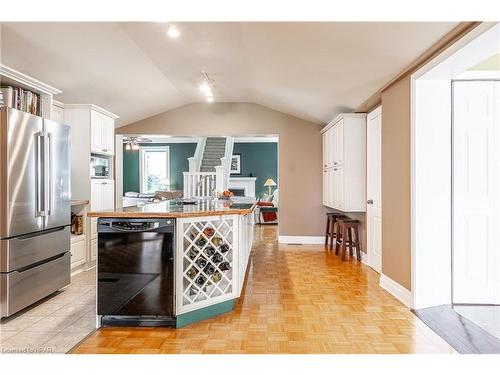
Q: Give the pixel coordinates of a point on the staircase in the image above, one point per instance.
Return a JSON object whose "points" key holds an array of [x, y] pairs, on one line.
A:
{"points": [[209, 168], [215, 149]]}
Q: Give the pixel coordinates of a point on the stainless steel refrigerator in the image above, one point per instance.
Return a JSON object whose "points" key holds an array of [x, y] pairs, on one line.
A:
{"points": [[35, 211]]}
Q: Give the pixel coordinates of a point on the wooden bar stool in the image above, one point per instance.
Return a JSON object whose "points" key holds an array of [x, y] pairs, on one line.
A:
{"points": [[332, 227], [348, 238]]}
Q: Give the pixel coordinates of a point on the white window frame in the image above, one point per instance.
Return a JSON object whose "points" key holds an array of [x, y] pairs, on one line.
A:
{"points": [[142, 159]]}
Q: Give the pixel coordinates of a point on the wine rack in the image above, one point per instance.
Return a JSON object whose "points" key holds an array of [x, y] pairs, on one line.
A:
{"points": [[207, 252]]}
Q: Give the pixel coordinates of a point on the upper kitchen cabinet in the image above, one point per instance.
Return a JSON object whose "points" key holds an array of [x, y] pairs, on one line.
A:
{"points": [[344, 163], [102, 128]]}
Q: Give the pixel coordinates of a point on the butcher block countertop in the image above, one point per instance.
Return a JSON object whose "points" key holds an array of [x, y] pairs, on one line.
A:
{"points": [[175, 209]]}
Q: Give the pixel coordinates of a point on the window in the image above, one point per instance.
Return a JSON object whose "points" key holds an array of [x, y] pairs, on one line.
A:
{"points": [[154, 168]]}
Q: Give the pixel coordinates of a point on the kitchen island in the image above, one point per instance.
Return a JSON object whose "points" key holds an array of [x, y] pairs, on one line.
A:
{"points": [[211, 245]]}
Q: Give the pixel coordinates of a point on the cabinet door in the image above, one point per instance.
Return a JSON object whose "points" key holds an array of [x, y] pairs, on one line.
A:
{"points": [[108, 195], [325, 149], [95, 195], [78, 250], [102, 194], [108, 135], [339, 143], [95, 131], [339, 188], [57, 114], [93, 249]]}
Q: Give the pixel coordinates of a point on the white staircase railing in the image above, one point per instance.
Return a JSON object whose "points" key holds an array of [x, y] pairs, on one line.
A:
{"points": [[195, 160], [205, 184], [199, 184]]}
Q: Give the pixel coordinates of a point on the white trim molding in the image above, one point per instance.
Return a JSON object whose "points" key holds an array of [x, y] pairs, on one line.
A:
{"points": [[302, 240], [397, 290]]}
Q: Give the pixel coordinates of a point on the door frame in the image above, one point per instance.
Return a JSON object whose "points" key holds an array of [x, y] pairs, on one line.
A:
{"points": [[430, 117], [369, 252]]}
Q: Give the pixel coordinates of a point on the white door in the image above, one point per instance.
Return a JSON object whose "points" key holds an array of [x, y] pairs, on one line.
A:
{"points": [[374, 189], [476, 192]]}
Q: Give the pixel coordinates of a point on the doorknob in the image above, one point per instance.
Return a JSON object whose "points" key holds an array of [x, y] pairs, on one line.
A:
{"points": [[369, 201]]}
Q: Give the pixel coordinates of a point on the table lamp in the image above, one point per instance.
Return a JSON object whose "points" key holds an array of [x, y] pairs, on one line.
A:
{"points": [[269, 183]]}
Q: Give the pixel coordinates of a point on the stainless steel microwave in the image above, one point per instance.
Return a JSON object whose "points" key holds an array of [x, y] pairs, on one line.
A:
{"points": [[100, 166]]}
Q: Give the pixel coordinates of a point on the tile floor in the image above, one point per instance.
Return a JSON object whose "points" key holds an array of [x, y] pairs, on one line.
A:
{"points": [[487, 317], [55, 324]]}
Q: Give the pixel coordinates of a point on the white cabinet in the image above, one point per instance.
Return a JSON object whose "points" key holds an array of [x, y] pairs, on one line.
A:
{"points": [[102, 194], [78, 251], [102, 132], [57, 113], [344, 163], [93, 249]]}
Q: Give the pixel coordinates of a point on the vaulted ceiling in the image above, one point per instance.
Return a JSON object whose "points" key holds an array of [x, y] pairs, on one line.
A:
{"points": [[310, 70]]}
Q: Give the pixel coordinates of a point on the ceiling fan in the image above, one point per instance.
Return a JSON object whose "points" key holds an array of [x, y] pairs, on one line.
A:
{"points": [[132, 143]]}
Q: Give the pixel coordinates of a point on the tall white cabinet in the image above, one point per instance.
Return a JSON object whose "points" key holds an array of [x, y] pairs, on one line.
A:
{"points": [[344, 163], [92, 132]]}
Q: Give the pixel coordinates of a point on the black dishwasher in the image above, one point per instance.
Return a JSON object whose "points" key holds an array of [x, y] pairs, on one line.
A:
{"points": [[135, 272]]}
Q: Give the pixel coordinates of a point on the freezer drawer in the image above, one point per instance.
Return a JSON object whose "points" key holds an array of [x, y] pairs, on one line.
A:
{"points": [[20, 289], [19, 252]]}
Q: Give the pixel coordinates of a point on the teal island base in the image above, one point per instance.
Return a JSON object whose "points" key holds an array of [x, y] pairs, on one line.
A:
{"points": [[205, 313]]}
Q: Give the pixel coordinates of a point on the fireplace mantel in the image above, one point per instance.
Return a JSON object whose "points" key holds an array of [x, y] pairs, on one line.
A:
{"points": [[246, 183]]}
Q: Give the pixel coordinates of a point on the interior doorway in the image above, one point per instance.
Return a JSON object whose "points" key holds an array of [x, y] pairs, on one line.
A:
{"points": [[456, 185]]}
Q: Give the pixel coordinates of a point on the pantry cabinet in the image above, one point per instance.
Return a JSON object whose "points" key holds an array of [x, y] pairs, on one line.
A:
{"points": [[344, 163]]}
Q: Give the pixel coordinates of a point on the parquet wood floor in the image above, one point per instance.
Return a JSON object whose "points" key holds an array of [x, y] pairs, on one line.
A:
{"points": [[297, 299]]}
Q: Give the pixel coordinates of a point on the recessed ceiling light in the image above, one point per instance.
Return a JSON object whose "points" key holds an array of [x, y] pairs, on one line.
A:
{"points": [[173, 32], [210, 99]]}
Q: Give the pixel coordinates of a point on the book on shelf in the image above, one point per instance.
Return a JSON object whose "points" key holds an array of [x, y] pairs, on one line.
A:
{"points": [[23, 100]]}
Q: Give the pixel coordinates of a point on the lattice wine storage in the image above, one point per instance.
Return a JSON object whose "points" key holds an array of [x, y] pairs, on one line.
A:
{"points": [[206, 261]]}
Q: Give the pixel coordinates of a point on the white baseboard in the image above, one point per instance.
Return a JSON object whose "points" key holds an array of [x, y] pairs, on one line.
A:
{"points": [[397, 290], [302, 240]]}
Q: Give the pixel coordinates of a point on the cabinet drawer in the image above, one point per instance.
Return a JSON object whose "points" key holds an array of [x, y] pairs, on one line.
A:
{"points": [[78, 251]]}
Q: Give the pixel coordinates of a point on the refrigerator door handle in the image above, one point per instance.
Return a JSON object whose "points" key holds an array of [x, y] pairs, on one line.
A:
{"points": [[49, 183], [40, 175]]}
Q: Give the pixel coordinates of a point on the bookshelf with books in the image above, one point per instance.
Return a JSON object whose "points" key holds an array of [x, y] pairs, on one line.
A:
{"points": [[25, 93]]}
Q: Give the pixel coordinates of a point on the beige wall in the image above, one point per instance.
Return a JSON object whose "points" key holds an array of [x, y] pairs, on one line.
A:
{"points": [[396, 162], [300, 152], [396, 180]]}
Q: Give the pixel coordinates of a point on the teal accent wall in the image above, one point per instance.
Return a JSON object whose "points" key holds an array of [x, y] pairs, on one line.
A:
{"points": [[259, 159], [179, 154], [204, 313]]}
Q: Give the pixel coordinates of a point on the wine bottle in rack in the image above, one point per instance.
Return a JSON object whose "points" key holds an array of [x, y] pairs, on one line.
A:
{"points": [[209, 232], [192, 272], [200, 242], [224, 266], [201, 262], [210, 250], [217, 241], [224, 248], [193, 253], [200, 280], [209, 269], [217, 258], [216, 277], [192, 234]]}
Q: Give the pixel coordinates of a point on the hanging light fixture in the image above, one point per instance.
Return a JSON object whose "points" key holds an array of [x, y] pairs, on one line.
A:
{"points": [[206, 87], [132, 143]]}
